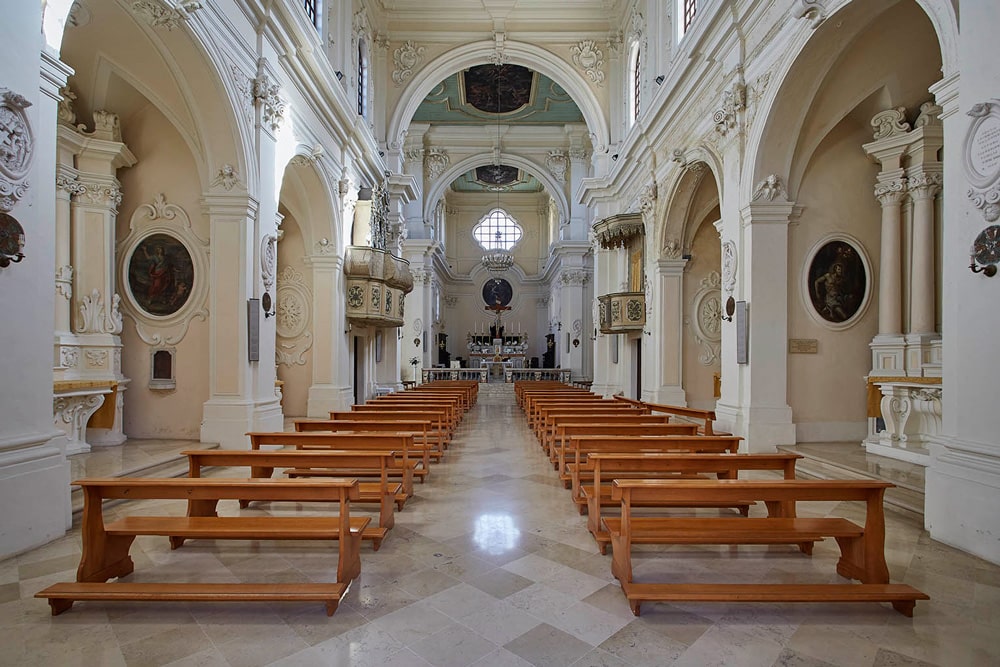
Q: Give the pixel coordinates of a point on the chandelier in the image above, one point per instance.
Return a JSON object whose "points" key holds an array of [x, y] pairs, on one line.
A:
{"points": [[497, 259]]}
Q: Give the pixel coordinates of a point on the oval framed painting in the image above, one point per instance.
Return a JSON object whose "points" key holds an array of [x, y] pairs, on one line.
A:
{"points": [[160, 274], [836, 283]]}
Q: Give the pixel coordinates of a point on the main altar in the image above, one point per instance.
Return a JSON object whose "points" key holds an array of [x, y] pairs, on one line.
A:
{"points": [[496, 350]]}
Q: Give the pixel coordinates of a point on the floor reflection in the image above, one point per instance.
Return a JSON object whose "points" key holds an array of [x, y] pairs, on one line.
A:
{"points": [[495, 533]]}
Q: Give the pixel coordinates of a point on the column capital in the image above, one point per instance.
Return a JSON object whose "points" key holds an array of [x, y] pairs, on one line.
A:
{"points": [[891, 191], [234, 205], [322, 262], [925, 185], [769, 212], [670, 267]]}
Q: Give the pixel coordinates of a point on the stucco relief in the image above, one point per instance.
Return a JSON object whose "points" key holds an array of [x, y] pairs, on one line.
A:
{"points": [[265, 94], [227, 177], [726, 116], [706, 323], [96, 358], [729, 266], [436, 160], [95, 318], [981, 158], [17, 146], [162, 15], [588, 57], [769, 189], [64, 281], [268, 260], [889, 123], [149, 221], [294, 314], [813, 11], [558, 162], [574, 277], [405, 59]]}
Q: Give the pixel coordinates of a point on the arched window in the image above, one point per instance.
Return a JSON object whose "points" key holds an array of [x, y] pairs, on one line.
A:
{"points": [[686, 10], [362, 78], [634, 82], [497, 231]]}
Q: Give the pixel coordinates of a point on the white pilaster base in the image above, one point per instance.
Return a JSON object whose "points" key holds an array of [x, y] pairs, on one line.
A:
{"points": [[34, 490], [888, 354], [227, 422], [920, 355], [962, 502], [70, 412], [326, 398], [666, 396], [605, 389], [762, 428]]}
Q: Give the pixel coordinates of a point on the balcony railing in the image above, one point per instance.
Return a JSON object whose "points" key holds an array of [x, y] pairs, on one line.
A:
{"points": [[377, 283], [622, 312]]}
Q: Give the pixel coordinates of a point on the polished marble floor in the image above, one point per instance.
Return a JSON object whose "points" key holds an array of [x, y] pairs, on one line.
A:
{"points": [[490, 565]]}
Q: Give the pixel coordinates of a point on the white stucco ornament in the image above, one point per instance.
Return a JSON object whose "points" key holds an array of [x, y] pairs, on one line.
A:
{"points": [[981, 158], [17, 147], [588, 57]]}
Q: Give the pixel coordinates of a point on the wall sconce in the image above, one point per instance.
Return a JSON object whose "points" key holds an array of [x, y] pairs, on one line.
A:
{"points": [[267, 305], [648, 333], [399, 334], [350, 328], [659, 80], [11, 240], [985, 252], [339, 75], [614, 158], [730, 309]]}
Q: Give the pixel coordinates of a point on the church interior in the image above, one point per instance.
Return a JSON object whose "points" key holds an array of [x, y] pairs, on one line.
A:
{"points": [[233, 217]]}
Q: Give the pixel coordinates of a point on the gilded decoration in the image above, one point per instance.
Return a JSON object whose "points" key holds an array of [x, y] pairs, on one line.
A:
{"points": [[619, 230]]}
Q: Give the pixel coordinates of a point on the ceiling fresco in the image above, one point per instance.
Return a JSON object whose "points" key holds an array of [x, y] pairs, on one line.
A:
{"points": [[470, 98], [497, 178]]}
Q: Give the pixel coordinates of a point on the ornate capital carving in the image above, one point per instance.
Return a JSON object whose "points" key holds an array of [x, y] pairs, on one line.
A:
{"points": [[227, 177], [436, 160], [769, 189], [405, 59], [306, 159], [930, 114], [890, 192], [889, 123], [557, 162], [925, 185], [162, 15], [574, 277], [66, 113], [64, 281], [588, 57], [734, 100], [265, 94], [812, 10]]}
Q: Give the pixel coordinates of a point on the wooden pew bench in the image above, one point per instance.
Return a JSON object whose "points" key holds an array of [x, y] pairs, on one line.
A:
{"points": [[384, 492], [449, 408], [439, 430], [592, 481], [704, 417], [408, 465], [628, 424], [548, 414], [581, 446], [862, 548], [106, 546], [420, 429]]}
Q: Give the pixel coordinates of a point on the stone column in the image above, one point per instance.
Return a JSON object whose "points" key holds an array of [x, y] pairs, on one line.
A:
{"points": [[668, 309], [331, 388]]}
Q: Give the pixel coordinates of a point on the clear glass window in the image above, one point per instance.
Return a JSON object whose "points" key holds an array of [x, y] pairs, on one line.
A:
{"points": [[497, 231]]}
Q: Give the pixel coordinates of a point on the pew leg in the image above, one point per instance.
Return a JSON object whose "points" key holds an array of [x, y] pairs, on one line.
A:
{"points": [[852, 558], [105, 557], [806, 548], [621, 559], [386, 517], [331, 606], [59, 605], [176, 542], [634, 604], [349, 557], [904, 607]]}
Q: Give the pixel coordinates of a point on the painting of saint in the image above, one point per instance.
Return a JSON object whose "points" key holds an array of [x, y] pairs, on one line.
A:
{"points": [[160, 274], [837, 281]]}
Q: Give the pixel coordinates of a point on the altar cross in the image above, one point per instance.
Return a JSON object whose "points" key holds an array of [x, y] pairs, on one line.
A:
{"points": [[497, 308]]}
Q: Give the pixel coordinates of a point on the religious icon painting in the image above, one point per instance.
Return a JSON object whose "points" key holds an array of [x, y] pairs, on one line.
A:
{"points": [[497, 291], [160, 274], [837, 283]]}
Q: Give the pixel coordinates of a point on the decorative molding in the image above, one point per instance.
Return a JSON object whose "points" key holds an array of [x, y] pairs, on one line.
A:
{"points": [[889, 123], [450, 301], [588, 57], [95, 319], [574, 277], [436, 160], [891, 191], [162, 15], [412, 155], [293, 317], [66, 113], [813, 11], [107, 126], [307, 159], [672, 248], [925, 185], [100, 193], [324, 247], [730, 262], [69, 182], [69, 357], [755, 93], [647, 199], [268, 260], [558, 162], [618, 230], [64, 281], [981, 158], [17, 148], [769, 189], [227, 177], [707, 322], [405, 59], [265, 95], [930, 115], [161, 217], [244, 86], [726, 116], [542, 302], [96, 358]]}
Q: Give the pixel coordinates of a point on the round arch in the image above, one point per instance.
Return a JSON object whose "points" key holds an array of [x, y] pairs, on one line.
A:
{"points": [[517, 53], [306, 172], [699, 163], [776, 134], [552, 187]]}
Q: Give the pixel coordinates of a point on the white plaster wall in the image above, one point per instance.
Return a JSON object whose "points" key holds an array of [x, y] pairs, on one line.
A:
{"points": [[464, 254], [298, 377], [706, 256]]}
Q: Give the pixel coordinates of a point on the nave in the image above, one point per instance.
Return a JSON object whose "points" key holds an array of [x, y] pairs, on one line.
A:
{"points": [[490, 564]]}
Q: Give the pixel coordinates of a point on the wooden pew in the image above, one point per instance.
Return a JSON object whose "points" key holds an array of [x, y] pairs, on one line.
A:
{"points": [[399, 402], [546, 414], [438, 417], [420, 429], [561, 428], [581, 446], [592, 491], [383, 492], [106, 546], [862, 549], [706, 417], [409, 466]]}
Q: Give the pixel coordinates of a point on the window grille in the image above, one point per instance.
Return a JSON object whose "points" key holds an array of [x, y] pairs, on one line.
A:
{"points": [[312, 11], [362, 79], [635, 84], [690, 9], [497, 231]]}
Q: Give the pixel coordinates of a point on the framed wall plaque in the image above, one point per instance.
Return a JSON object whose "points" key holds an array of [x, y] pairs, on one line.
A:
{"points": [[253, 330]]}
